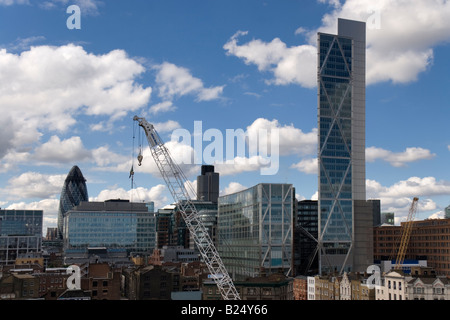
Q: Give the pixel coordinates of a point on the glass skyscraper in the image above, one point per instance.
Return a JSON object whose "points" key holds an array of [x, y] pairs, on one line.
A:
{"points": [[255, 230], [20, 233], [73, 192], [341, 145]]}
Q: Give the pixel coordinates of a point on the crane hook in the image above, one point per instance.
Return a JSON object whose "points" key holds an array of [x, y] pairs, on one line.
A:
{"points": [[140, 157]]}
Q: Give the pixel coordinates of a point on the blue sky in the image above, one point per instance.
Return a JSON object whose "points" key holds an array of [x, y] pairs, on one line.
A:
{"points": [[68, 96]]}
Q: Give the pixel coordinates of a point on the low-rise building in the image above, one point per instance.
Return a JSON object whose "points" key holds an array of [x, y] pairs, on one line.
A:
{"points": [[428, 288], [300, 288], [270, 287]]}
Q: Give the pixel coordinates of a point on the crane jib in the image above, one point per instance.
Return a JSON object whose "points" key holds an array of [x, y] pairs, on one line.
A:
{"points": [[176, 181]]}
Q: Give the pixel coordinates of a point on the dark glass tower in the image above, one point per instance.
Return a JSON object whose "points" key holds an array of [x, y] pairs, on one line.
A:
{"points": [[73, 192], [208, 184]]}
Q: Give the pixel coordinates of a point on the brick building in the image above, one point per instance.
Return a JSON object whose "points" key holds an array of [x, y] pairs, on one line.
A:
{"points": [[430, 240]]}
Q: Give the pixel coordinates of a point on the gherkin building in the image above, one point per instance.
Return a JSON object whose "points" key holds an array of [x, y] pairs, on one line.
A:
{"points": [[73, 192]]}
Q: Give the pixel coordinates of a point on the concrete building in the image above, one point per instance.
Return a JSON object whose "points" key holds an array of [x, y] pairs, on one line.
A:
{"points": [[256, 228], [341, 149], [428, 288], [393, 286], [311, 287]]}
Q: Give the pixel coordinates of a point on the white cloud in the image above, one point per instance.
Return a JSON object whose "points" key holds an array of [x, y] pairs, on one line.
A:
{"points": [[181, 153], [232, 187], [240, 164], [287, 64], [86, 6], [64, 151], [437, 215], [174, 81], [7, 136], [400, 41], [400, 38], [398, 159], [140, 194], [44, 87], [164, 106], [103, 157], [309, 166], [167, 126], [416, 186], [397, 197], [34, 185], [12, 2], [291, 140]]}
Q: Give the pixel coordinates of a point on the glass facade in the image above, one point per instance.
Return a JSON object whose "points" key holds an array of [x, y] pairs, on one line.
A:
{"points": [[306, 235], [207, 213], [73, 192], [255, 229], [130, 229], [20, 233], [341, 100], [21, 222], [335, 143]]}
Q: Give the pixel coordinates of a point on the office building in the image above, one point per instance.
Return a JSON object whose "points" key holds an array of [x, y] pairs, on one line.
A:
{"points": [[20, 234], [429, 240], [112, 230], [256, 228], [341, 146], [73, 192], [164, 223], [206, 212], [387, 218], [306, 234], [208, 184], [447, 212]]}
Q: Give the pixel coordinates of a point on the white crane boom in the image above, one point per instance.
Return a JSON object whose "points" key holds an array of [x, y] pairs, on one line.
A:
{"points": [[176, 182]]}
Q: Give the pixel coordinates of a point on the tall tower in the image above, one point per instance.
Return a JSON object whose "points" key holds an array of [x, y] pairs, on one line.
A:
{"points": [[341, 145], [73, 192], [208, 184]]}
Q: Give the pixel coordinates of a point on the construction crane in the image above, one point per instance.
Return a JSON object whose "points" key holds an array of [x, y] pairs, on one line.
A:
{"points": [[177, 184], [406, 233]]}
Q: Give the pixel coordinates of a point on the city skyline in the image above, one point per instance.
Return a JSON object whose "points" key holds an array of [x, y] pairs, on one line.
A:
{"points": [[68, 96]]}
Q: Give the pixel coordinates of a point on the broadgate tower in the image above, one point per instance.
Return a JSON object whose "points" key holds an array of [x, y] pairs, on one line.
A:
{"points": [[345, 216]]}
